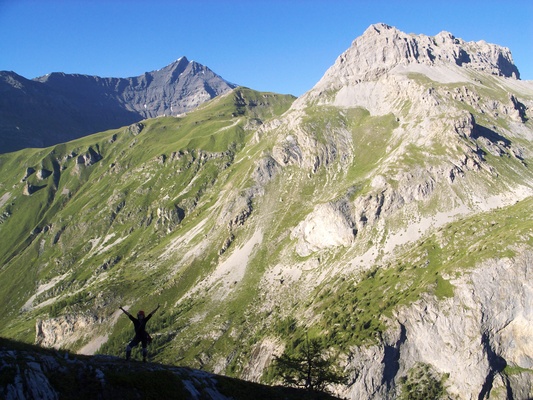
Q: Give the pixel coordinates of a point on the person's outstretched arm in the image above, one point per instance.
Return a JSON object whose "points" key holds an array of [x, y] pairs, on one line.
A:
{"points": [[152, 313], [125, 312]]}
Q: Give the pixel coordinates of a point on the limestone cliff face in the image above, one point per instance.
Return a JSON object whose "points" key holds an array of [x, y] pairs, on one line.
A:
{"points": [[471, 337], [383, 48], [56, 332], [432, 89], [327, 226], [376, 73]]}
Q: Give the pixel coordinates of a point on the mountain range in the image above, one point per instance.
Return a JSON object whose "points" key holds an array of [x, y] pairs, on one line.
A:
{"points": [[384, 214], [58, 107]]}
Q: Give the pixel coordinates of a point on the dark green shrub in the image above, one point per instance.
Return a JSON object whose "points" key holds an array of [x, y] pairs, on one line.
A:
{"points": [[422, 383]]}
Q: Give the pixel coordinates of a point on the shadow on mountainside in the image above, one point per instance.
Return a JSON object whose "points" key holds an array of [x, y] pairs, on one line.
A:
{"points": [[480, 131], [29, 371]]}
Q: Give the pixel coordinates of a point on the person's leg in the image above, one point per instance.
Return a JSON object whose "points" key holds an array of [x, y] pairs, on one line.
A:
{"points": [[130, 346], [145, 349]]}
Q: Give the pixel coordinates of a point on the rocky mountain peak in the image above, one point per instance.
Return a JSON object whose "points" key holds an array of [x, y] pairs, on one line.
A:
{"points": [[382, 47], [172, 71], [59, 107], [182, 61], [177, 88]]}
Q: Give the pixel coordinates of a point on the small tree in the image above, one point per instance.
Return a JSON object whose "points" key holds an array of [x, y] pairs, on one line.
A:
{"points": [[306, 366], [422, 383]]}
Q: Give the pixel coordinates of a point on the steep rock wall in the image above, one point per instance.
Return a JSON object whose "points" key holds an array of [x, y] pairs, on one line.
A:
{"points": [[471, 338]]}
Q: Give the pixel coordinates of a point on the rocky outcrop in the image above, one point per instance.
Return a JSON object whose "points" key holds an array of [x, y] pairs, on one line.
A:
{"points": [[382, 48], [135, 129], [30, 189], [90, 157], [471, 338], [33, 373], [328, 225], [236, 211], [266, 168], [43, 174], [29, 172], [168, 218], [55, 332]]}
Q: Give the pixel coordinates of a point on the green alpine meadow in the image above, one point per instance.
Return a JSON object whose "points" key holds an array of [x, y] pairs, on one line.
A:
{"points": [[376, 230]]}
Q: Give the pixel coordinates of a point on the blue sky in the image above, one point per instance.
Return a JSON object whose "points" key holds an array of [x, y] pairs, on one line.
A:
{"points": [[280, 46]]}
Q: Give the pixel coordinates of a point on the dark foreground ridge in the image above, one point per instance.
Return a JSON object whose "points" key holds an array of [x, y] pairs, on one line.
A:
{"points": [[32, 372]]}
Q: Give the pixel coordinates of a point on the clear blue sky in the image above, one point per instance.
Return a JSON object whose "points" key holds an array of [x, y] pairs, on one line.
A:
{"points": [[280, 46]]}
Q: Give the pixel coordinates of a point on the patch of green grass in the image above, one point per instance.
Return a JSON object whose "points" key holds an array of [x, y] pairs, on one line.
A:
{"points": [[511, 370], [443, 288], [371, 136]]}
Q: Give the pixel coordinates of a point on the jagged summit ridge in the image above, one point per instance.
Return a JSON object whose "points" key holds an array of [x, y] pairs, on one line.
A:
{"points": [[174, 89], [383, 47], [376, 71]]}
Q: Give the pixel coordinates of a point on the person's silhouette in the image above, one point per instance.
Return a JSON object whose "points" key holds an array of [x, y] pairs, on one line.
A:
{"points": [[141, 336]]}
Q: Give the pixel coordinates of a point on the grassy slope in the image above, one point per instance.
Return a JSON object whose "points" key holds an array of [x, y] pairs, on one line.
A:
{"points": [[107, 227], [103, 219]]}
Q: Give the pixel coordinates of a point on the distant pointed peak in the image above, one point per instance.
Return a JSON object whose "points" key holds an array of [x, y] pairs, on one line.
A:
{"points": [[181, 60], [174, 69]]}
